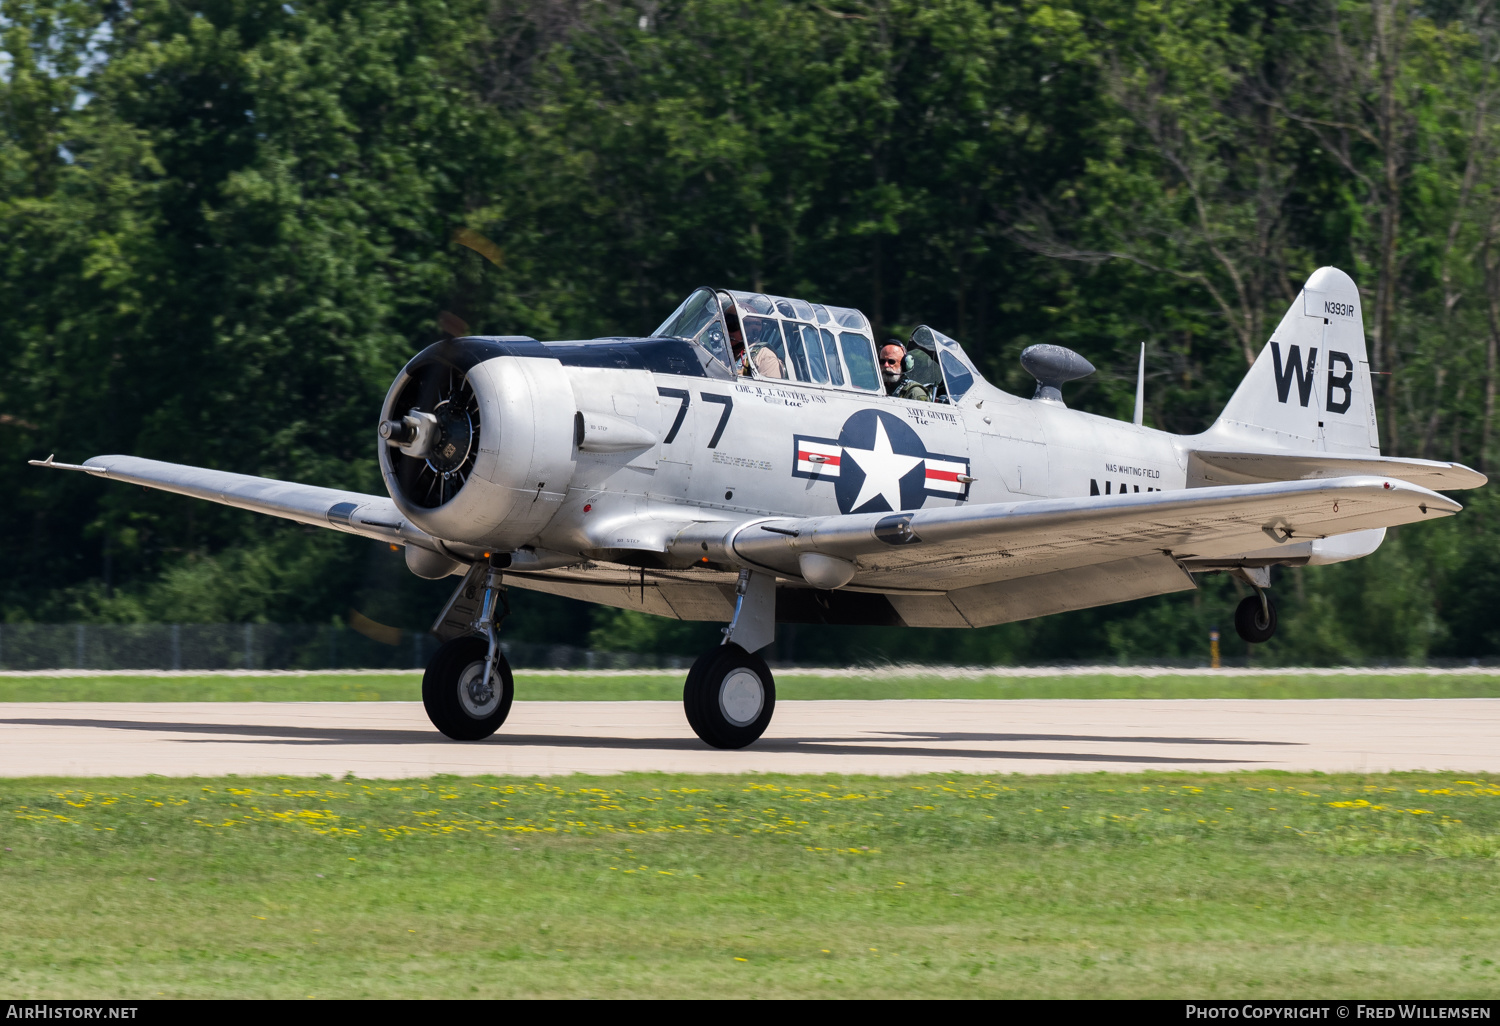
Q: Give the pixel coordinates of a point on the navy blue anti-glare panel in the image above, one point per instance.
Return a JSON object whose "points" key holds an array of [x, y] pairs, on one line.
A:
{"points": [[659, 355]]}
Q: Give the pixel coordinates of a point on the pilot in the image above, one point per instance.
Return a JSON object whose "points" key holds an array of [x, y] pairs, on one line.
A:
{"points": [[767, 363], [893, 371]]}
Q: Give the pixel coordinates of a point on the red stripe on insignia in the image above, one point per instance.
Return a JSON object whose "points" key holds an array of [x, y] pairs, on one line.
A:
{"points": [[943, 475]]}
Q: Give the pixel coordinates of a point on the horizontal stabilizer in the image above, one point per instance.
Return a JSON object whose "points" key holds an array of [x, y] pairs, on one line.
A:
{"points": [[1222, 468]]}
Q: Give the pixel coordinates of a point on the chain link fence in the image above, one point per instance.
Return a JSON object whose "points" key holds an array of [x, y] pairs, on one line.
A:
{"points": [[269, 646], [265, 646]]}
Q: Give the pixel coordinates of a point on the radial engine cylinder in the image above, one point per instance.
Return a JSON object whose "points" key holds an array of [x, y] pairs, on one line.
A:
{"points": [[477, 445]]}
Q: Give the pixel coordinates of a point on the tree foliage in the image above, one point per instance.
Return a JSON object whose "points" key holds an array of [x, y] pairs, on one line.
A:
{"points": [[227, 223]]}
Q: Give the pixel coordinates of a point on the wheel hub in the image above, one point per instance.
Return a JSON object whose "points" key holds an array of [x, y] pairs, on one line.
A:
{"points": [[478, 699], [741, 697]]}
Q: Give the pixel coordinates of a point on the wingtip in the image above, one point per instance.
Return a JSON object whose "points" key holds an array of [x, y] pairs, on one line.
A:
{"points": [[1430, 500]]}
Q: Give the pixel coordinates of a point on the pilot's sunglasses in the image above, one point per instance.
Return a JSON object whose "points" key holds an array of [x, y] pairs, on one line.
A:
{"points": [[892, 362]]}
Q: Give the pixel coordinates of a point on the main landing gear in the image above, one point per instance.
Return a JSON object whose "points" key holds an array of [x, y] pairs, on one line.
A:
{"points": [[467, 689], [730, 694], [1255, 616]]}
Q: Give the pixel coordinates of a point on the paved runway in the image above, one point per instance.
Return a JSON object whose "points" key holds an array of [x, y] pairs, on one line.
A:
{"points": [[394, 739]]}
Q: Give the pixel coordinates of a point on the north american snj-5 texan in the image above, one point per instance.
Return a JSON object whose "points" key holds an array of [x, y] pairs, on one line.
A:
{"points": [[744, 464]]}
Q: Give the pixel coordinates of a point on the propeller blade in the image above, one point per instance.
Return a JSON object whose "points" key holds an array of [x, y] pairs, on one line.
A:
{"points": [[373, 629], [479, 244], [453, 324]]}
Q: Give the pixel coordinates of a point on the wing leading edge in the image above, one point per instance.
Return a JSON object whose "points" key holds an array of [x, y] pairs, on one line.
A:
{"points": [[371, 516]]}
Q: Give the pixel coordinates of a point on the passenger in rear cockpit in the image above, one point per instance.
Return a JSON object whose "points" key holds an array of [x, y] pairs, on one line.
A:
{"points": [[893, 374]]}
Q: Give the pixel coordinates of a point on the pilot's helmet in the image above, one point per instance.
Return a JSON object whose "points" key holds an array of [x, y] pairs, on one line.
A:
{"points": [[907, 362]]}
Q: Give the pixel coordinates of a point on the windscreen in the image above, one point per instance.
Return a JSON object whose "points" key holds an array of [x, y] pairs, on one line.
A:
{"points": [[958, 376], [696, 311], [698, 320]]}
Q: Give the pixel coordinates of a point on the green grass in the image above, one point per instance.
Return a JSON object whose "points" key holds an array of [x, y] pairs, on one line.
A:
{"points": [[407, 687], [1252, 885], [323, 687]]}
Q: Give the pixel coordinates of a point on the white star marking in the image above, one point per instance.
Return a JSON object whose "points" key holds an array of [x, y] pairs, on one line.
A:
{"points": [[883, 469]]}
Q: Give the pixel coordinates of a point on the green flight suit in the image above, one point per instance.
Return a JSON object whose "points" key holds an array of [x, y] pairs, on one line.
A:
{"points": [[906, 388]]}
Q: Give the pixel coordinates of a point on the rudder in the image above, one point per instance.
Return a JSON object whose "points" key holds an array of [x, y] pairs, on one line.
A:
{"points": [[1310, 387]]}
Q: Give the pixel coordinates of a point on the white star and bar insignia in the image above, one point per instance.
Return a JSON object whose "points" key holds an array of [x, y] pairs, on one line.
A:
{"points": [[827, 459]]}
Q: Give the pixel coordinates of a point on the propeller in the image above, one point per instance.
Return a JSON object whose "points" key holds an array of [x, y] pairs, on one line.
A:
{"points": [[434, 430], [436, 439], [451, 324]]}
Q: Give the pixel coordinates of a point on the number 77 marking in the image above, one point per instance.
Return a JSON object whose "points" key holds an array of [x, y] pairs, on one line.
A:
{"points": [[675, 393], [728, 403]]}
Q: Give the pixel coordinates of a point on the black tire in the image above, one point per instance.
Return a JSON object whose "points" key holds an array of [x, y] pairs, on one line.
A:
{"points": [[729, 697], [450, 686], [1252, 624]]}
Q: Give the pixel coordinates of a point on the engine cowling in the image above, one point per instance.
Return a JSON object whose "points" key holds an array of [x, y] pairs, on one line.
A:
{"points": [[477, 444]]}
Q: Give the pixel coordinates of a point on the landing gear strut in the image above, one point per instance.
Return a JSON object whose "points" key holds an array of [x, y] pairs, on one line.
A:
{"points": [[467, 689], [730, 694], [1255, 616]]}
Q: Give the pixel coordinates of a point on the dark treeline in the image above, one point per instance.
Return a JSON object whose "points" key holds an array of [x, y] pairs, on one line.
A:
{"points": [[225, 225]]}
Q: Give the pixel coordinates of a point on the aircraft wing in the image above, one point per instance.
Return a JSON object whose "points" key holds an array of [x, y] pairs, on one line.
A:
{"points": [[1012, 560], [371, 516]]}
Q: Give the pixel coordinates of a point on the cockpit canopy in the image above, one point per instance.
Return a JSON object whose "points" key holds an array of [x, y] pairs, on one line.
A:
{"points": [[777, 338], [940, 363]]}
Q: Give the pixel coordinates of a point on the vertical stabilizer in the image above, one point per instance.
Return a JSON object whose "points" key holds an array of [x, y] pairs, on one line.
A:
{"points": [[1310, 387]]}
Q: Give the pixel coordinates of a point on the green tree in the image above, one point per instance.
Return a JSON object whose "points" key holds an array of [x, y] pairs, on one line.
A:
{"points": [[228, 222]]}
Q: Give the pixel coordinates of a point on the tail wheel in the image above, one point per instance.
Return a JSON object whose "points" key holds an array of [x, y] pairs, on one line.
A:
{"points": [[1253, 623], [454, 693], [729, 697]]}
